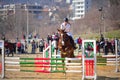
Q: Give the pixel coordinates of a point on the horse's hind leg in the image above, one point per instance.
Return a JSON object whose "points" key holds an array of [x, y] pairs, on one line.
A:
{"points": [[8, 54], [12, 54]]}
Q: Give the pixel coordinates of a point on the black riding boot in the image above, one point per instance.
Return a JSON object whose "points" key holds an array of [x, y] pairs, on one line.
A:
{"points": [[72, 42]]}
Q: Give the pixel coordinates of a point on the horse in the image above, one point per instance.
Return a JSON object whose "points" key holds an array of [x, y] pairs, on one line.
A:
{"points": [[9, 48], [64, 44]]}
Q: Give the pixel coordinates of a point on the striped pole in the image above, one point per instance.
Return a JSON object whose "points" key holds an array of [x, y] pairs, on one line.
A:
{"points": [[36, 63], [89, 64], [116, 52], [73, 66], [0, 68], [92, 67], [3, 58], [89, 59], [45, 65]]}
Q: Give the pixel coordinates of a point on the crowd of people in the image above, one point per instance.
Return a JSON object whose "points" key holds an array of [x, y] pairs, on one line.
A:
{"points": [[35, 45], [107, 45], [22, 46], [102, 45]]}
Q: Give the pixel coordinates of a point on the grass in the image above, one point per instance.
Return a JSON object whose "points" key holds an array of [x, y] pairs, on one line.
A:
{"points": [[113, 34], [110, 35]]}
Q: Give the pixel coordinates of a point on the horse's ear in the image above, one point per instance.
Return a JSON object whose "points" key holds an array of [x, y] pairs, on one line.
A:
{"points": [[64, 30], [58, 30]]}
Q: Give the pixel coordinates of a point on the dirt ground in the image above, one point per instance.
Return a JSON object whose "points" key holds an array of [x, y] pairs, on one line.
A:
{"points": [[103, 73]]}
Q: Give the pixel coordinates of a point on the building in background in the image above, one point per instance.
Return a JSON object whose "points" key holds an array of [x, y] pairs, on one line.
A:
{"points": [[88, 5], [68, 1], [12, 8], [57, 0], [80, 7]]}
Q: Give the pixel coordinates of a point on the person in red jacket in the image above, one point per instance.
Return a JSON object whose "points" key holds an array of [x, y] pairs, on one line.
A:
{"points": [[19, 46], [79, 41]]}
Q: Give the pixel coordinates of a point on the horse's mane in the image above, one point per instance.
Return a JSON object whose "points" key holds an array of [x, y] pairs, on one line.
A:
{"points": [[63, 32]]}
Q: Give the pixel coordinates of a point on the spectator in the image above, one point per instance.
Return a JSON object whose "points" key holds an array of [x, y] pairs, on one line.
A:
{"points": [[102, 41], [19, 46], [112, 46], [49, 38], [79, 41], [56, 37], [33, 46], [30, 36], [102, 38], [41, 45], [26, 46], [106, 48], [22, 48], [97, 46], [53, 36]]}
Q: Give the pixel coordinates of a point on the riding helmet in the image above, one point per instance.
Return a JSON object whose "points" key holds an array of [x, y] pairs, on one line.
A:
{"points": [[66, 19]]}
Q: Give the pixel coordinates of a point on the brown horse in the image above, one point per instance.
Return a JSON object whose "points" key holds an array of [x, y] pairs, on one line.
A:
{"points": [[64, 45], [9, 48]]}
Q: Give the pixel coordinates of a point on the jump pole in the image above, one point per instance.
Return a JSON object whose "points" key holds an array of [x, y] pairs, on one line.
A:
{"points": [[117, 57], [47, 52], [89, 60], [3, 58]]}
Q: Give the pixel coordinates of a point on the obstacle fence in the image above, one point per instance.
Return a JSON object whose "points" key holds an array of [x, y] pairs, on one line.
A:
{"points": [[111, 59], [39, 64], [114, 59], [44, 64], [20, 64], [52, 64]]}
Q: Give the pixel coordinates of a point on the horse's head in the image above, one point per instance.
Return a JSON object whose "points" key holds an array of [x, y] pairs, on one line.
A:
{"points": [[61, 31], [62, 36], [64, 44]]}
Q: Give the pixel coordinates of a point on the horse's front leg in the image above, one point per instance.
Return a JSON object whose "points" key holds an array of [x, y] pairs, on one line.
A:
{"points": [[8, 52], [62, 56]]}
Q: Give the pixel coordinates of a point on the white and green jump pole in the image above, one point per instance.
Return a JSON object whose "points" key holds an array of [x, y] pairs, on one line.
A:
{"points": [[3, 56]]}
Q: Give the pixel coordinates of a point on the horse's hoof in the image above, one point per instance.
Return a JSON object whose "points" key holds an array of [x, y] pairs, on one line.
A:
{"points": [[75, 47]]}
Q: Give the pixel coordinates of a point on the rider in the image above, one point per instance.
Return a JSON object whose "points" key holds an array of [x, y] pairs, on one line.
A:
{"points": [[66, 25]]}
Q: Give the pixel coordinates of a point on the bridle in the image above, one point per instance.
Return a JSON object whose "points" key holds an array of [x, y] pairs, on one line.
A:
{"points": [[62, 40]]}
